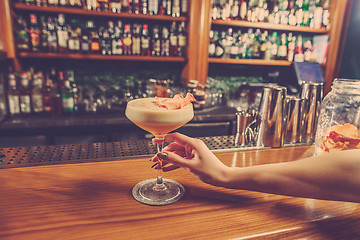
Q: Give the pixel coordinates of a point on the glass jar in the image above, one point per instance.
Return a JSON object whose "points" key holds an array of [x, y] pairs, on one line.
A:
{"points": [[338, 126]]}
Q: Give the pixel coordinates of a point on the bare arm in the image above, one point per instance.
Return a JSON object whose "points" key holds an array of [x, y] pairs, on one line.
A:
{"points": [[332, 176]]}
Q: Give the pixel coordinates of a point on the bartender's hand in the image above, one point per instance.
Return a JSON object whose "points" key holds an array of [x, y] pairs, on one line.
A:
{"points": [[193, 155]]}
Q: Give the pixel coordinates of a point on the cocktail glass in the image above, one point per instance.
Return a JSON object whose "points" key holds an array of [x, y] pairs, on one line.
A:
{"points": [[158, 121]]}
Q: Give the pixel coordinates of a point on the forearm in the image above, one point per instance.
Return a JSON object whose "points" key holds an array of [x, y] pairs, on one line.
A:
{"points": [[330, 176]]}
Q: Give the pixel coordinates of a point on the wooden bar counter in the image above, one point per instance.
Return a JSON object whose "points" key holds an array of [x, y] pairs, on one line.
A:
{"points": [[92, 200]]}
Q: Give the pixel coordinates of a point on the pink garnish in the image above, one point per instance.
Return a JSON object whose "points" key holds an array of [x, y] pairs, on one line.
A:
{"points": [[177, 102]]}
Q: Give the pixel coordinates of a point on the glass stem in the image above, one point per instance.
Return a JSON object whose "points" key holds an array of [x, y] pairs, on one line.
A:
{"points": [[159, 179]]}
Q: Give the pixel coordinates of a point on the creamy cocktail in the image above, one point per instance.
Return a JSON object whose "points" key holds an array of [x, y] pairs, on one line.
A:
{"points": [[159, 116], [155, 119]]}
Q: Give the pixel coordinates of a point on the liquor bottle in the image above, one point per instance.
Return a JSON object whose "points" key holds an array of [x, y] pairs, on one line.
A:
{"points": [[34, 32], [52, 36], [103, 5], [75, 3], [115, 6], [36, 94], [318, 14], [212, 43], [299, 54], [44, 43], [228, 43], [234, 47], [13, 96], [244, 44], [62, 34], [255, 46], [47, 92], [184, 7], [155, 42], [143, 6], [165, 42], [168, 7], [153, 7], [173, 40], [306, 13], [75, 90], [182, 40], [124, 6], [274, 45], [91, 4], [263, 44], [234, 11], [53, 2], [117, 46], [145, 41], [56, 108], [106, 44], [243, 10], [30, 2], [136, 41], [220, 45], [67, 98], [63, 3], [299, 14], [84, 43], [136, 6], [95, 44], [127, 40], [24, 93], [282, 49], [74, 41], [22, 35], [308, 49], [175, 8], [291, 49], [162, 7], [326, 15]]}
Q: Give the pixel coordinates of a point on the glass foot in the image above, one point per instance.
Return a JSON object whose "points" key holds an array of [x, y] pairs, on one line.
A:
{"points": [[150, 193]]}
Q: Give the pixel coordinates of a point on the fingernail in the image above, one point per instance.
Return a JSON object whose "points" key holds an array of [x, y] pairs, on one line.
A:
{"points": [[162, 156], [154, 165]]}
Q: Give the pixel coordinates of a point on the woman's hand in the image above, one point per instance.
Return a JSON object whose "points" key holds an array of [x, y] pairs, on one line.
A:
{"points": [[193, 155]]}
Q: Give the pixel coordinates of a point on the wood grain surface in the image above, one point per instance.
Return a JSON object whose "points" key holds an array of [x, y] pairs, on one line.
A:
{"points": [[93, 201]]}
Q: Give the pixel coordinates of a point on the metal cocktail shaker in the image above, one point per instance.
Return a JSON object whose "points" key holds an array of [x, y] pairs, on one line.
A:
{"points": [[312, 94], [293, 119], [272, 116]]}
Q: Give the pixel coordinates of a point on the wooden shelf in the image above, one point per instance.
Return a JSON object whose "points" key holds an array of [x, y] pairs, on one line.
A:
{"points": [[98, 57], [80, 11], [250, 61], [264, 25]]}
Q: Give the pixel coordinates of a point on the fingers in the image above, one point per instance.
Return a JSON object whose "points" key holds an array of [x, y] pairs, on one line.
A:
{"points": [[179, 138]]}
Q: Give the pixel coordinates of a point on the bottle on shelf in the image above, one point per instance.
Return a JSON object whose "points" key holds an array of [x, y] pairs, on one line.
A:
{"points": [[36, 94], [52, 36], [173, 40], [13, 96], [25, 94], [106, 43], [117, 46], [182, 40], [165, 42], [127, 40], [56, 108], [75, 90], [153, 7], [67, 98], [155, 42], [282, 49], [115, 6], [62, 34], [145, 41], [212, 45], [136, 40], [22, 39], [34, 32], [74, 41], [47, 92], [299, 54]]}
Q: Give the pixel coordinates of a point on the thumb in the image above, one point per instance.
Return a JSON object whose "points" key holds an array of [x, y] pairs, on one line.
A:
{"points": [[176, 159]]}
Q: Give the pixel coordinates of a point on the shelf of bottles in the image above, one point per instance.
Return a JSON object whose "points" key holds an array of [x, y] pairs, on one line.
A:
{"points": [[269, 32], [140, 31]]}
